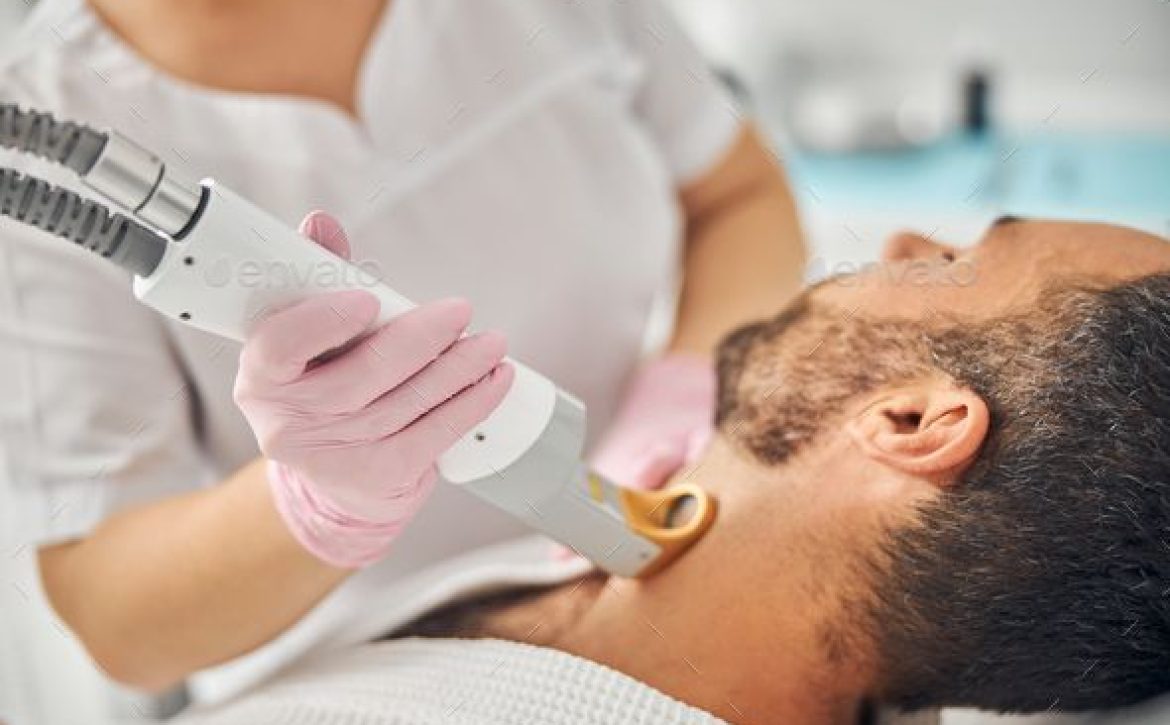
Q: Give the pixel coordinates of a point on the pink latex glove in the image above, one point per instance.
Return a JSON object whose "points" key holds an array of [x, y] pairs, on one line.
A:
{"points": [[352, 441], [664, 423]]}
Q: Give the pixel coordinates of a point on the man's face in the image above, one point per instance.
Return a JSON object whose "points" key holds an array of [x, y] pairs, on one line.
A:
{"points": [[783, 380], [1005, 270]]}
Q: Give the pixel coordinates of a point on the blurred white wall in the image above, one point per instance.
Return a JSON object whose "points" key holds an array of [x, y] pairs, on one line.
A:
{"points": [[11, 11], [1056, 66], [1105, 64]]}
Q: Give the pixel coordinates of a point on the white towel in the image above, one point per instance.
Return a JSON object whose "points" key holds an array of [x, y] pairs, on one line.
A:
{"points": [[453, 682]]}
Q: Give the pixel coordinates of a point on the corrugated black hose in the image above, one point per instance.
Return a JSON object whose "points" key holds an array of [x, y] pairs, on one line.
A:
{"points": [[86, 223]]}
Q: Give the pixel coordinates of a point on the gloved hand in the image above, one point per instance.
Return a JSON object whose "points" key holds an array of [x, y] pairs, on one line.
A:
{"points": [[352, 441], [665, 422]]}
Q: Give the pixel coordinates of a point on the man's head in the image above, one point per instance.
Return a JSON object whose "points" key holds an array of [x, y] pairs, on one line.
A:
{"points": [[988, 431]]}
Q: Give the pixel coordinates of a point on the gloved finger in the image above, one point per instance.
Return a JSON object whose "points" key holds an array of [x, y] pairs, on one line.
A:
{"points": [[325, 230], [560, 552], [282, 344], [386, 359], [438, 430], [652, 470], [466, 362]]}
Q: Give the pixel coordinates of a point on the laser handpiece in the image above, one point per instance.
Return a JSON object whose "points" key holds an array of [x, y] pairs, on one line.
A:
{"points": [[205, 256]]}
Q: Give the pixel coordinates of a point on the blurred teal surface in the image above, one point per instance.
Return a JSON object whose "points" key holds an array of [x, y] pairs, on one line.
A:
{"points": [[1064, 175]]}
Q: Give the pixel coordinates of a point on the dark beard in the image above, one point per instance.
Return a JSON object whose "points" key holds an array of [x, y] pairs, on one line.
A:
{"points": [[783, 381]]}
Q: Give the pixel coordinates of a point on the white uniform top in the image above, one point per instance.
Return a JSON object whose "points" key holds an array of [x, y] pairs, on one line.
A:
{"points": [[524, 154]]}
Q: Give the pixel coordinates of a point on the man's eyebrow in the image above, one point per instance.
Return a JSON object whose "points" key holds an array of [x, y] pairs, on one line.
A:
{"points": [[1004, 219]]}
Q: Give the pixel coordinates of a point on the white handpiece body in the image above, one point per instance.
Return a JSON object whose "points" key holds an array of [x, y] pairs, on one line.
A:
{"points": [[237, 262]]}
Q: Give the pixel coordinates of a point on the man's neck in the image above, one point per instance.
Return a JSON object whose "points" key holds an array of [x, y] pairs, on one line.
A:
{"points": [[750, 634], [757, 623]]}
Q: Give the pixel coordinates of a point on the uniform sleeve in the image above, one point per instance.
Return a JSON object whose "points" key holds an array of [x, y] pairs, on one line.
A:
{"points": [[689, 112], [95, 412]]}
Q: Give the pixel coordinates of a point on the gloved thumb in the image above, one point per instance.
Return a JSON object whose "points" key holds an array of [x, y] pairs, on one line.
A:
{"points": [[325, 230], [654, 468]]}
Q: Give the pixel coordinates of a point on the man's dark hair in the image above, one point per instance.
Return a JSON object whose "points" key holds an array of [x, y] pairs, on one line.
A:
{"points": [[1042, 579]]}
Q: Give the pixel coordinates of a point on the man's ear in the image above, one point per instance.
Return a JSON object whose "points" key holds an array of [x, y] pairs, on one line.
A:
{"points": [[932, 429]]}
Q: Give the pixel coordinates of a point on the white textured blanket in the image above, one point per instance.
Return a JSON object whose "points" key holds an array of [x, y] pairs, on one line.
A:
{"points": [[453, 682]]}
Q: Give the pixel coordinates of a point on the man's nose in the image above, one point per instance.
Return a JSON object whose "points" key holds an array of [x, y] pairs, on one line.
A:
{"points": [[905, 246]]}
